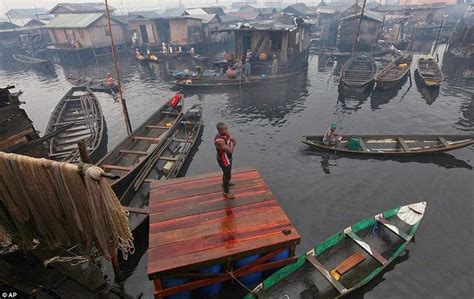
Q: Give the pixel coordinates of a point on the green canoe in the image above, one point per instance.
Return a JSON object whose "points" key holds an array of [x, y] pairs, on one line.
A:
{"points": [[347, 260]]}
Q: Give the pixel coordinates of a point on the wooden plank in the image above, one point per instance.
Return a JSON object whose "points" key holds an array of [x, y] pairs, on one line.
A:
{"points": [[336, 284], [443, 141], [152, 139], [210, 185], [362, 145], [403, 144], [210, 217], [171, 113], [181, 140], [156, 127], [394, 229], [117, 167], [159, 265], [230, 224], [126, 151], [136, 210], [370, 250], [349, 263], [189, 179], [216, 205], [168, 158], [223, 277]]}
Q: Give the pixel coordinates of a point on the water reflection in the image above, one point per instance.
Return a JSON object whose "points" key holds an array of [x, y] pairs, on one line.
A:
{"points": [[352, 101], [273, 103], [444, 160], [466, 121], [429, 94], [381, 97]]}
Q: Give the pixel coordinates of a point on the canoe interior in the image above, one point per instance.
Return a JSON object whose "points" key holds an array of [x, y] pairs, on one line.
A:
{"points": [[380, 144], [81, 109], [303, 280], [223, 81], [358, 71], [429, 69], [135, 149], [396, 69], [179, 146]]}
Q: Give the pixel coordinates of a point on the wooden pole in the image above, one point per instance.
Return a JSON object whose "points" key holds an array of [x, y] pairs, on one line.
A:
{"points": [[128, 124], [85, 158], [355, 43], [437, 36]]}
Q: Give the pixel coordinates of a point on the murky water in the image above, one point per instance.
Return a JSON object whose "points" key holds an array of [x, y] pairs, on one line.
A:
{"points": [[321, 192]]}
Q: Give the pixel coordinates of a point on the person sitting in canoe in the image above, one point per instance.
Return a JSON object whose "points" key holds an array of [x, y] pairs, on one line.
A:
{"points": [[109, 80], [330, 137]]}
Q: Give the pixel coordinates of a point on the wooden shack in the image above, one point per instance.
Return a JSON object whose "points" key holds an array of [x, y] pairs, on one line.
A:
{"points": [[17, 133], [85, 35], [285, 36], [370, 29]]}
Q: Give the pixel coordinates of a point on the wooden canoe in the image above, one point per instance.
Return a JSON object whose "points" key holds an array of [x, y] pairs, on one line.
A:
{"points": [[358, 72], [391, 75], [80, 110], [397, 145], [224, 82], [166, 164], [429, 71], [94, 84], [348, 259], [28, 60], [130, 155]]}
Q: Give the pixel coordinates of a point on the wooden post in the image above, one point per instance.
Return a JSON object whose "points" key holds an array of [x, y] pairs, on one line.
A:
{"points": [[355, 43], [128, 124], [85, 158]]}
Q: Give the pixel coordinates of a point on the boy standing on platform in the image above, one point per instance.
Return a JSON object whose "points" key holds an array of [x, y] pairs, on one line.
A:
{"points": [[225, 145]]}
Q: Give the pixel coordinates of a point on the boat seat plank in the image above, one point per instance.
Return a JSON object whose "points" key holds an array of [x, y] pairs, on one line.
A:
{"points": [[68, 122], [403, 144], [152, 139], [116, 167], [168, 159], [181, 140], [362, 145], [373, 252], [170, 112], [443, 141], [336, 284], [348, 264], [125, 151], [394, 229], [156, 127]]}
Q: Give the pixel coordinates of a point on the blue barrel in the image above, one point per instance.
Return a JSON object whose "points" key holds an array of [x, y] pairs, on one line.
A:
{"points": [[250, 280], [281, 256], [213, 289], [173, 282]]}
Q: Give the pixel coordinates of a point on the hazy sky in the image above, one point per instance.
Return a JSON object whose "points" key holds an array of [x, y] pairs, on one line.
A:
{"points": [[126, 4]]}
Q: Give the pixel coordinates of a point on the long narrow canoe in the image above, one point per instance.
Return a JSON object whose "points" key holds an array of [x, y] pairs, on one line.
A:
{"points": [[429, 71], [358, 72], [94, 84], [129, 156], [80, 110], [396, 145], [391, 75], [166, 164], [348, 259], [224, 82], [28, 60]]}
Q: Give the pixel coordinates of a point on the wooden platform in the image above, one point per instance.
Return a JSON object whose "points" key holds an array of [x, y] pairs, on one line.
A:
{"points": [[192, 225]]}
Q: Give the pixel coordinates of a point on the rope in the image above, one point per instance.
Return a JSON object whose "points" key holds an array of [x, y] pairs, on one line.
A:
{"points": [[66, 259], [238, 281]]}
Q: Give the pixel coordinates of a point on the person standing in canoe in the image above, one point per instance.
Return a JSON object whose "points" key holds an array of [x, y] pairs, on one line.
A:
{"points": [[225, 145], [330, 137]]}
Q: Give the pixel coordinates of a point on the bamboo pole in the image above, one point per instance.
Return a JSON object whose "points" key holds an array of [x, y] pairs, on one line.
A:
{"points": [[128, 124], [355, 43]]}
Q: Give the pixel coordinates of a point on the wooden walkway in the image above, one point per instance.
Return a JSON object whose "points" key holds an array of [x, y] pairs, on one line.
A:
{"points": [[192, 225]]}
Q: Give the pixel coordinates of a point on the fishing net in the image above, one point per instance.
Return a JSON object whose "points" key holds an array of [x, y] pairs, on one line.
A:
{"points": [[61, 204]]}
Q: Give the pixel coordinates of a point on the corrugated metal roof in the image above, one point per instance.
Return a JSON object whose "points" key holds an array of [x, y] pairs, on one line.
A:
{"points": [[82, 20]]}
